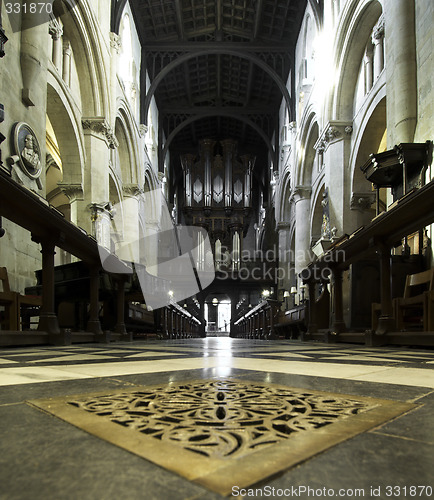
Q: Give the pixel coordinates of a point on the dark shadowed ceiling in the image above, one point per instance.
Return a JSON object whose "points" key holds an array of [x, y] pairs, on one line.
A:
{"points": [[220, 67]]}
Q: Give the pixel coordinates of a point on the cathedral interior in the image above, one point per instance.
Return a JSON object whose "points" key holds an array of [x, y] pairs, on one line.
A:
{"points": [[216, 249]]}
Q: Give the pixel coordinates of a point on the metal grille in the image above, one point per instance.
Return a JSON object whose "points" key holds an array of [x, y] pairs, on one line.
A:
{"points": [[222, 418]]}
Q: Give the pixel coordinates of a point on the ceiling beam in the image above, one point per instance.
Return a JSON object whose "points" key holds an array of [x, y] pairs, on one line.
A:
{"points": [[200, 46], [237, 53], [258, 19], [206, 110], [179, 20], [192, 119]]}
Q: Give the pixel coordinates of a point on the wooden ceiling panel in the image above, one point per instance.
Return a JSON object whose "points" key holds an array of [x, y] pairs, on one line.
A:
{"points": [[217, 78]]}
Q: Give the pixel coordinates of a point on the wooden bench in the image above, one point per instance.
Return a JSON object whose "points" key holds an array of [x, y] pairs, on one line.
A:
{"points": [[415, 310], [17, 306]]}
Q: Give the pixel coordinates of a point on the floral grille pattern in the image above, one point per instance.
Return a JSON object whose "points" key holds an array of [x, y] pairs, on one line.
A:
{"points": [[222, 418]]}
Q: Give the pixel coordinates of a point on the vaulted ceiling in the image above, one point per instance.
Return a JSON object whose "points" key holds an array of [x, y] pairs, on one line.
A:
{"points": [[218, 68]]}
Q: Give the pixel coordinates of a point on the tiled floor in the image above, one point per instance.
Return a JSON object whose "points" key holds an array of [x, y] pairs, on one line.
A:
{"points": [[42, 457]]}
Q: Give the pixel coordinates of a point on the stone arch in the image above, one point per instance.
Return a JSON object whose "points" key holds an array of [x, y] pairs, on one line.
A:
{"points": [[371, 138], [355, 28], [81, 31], [283, 205], [66, 127], [308, 138], [127, 152], [192, 119]]}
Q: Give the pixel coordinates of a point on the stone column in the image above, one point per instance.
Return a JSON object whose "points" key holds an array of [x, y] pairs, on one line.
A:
{"points": [[401, 70], [67, 51], [115, 47], [130, 246], [74, 193], [302, 256], [101, 216], [56, 32], [369, 70], [99, 138], [377, 40]]}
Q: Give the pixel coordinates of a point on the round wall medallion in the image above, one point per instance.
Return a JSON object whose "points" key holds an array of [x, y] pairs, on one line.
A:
{"points": [[27, 149]]}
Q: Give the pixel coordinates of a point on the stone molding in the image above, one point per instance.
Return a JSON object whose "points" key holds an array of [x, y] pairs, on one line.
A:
{"points": [[74, 192], [378, 31], [131, 190], [334, 131], [101, 127], [115, 42], [55, 29], [300, 193]]}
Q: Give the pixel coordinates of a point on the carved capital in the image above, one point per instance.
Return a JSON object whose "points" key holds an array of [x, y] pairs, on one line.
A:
{"points": [[73, 192], [378, 31], [143, 130], [55, 29], [115, 42], [333, 131], [300, 193], [100, 209], [100, 126], [131, 190], [293, 127]]}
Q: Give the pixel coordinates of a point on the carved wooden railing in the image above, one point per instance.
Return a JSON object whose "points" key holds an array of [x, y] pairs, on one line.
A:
{"points": [[175, 322], [259, 322]]}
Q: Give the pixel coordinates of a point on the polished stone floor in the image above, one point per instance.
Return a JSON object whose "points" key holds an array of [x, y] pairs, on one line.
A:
{"points": [[42, 457]]}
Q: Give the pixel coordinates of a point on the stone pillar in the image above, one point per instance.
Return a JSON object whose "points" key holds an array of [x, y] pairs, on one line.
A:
{"points": [[377, 40], [130, 245], [99, 138], [115, 47], [101, 216], [67, 51], [74, 193], [369, 70], [56, 32], [337, 148], [401, 70], [302, 256]]}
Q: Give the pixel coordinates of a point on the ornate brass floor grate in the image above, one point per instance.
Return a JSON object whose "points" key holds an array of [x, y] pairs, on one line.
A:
{"points": [[221, 433]]}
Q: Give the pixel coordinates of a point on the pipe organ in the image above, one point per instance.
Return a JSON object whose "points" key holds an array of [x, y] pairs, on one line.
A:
{"points": [[218, 196]]}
